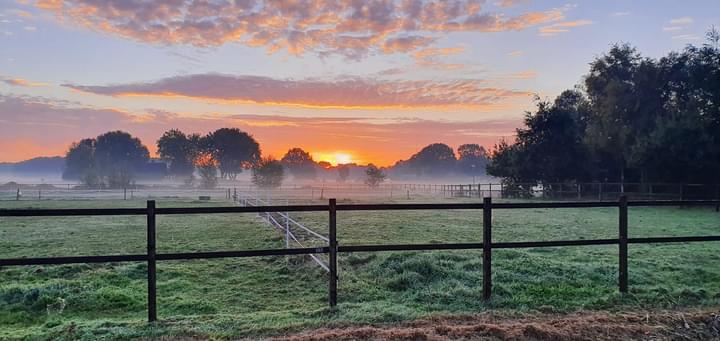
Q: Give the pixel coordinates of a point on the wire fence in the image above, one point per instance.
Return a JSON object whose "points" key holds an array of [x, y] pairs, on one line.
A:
{"points": [[285, 224], [360, 191]]}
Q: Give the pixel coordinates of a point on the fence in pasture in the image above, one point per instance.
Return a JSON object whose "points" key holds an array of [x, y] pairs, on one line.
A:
{"points": [[283, 222], [316, 191], [586, 191], [332, 248], [394, 191]]}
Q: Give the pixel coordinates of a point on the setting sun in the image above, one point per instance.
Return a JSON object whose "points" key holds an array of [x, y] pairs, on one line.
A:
{"points": [[335, 158]]}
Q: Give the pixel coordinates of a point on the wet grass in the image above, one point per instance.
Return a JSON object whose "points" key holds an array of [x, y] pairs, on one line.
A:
{"points": [[272, 295]]}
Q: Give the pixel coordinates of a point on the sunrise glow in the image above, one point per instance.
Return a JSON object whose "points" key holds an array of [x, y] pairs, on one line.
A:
{"points": [[334, 158]]}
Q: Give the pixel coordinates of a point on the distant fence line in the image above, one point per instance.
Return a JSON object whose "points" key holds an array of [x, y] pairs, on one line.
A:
{"points": [[332, 248], [320, 191], [588, 191]]}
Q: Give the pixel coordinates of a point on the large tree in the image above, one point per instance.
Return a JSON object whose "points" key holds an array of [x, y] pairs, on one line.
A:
{"points": [[625, 90], [118, 156], [233, 150], [550, 148], [300, 163], [685, 145], [111, 159], [472, 159], [639, 119], [436, 159], [179, 151], [80, 162]]}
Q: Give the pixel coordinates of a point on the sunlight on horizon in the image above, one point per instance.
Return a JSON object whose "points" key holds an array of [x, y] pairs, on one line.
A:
{"points": [[334, 158]]}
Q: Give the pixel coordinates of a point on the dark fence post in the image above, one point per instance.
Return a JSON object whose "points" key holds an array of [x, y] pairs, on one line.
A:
{"points": [[151, 275], [487, 248], [332, 236], [623, 245], [682, 193]]}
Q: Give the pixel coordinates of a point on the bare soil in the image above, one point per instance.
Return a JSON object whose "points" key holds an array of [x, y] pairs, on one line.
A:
{"points": [[639, 325]]}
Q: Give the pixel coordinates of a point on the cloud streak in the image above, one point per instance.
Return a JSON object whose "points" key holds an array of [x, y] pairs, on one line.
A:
{"points": [[342, 93], [353, 28], [562, 27], [678, 24], [22, 82]]}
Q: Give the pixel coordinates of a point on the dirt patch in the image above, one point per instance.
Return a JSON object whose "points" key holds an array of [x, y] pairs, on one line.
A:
{"points": [[665, 325]]}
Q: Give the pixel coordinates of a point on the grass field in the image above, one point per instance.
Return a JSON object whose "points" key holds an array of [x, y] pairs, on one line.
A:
{"points": [[270, 296]]}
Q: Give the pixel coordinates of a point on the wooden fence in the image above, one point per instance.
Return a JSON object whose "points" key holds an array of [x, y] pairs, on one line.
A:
{"points": [[332, 249]]}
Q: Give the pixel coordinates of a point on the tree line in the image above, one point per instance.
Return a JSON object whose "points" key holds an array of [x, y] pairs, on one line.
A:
{"points": [[633, 119], [113, 159]]}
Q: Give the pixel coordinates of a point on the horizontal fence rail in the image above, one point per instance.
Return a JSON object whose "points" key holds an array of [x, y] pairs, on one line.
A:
{"points": [[333, 248]]}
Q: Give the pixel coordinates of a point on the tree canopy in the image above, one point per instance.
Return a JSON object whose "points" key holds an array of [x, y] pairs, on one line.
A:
{"points": [[472, 159], [111, 159], [268, 173], [433, 160], [179, 151], [233, 150], [374, 176], [300, 164], [635, 119]]}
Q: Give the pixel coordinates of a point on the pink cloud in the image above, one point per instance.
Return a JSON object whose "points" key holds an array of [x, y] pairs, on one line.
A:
{"points": [[352, 28], [342, 93], [22, 82], [511, 3]]}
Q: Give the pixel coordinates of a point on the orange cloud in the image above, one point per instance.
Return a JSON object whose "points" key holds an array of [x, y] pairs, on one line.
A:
{"points": [[350, 93], [349, 28], [562, 27], [529, 74], [405, 44], [511, 3], [429, 57], [22, 82]]}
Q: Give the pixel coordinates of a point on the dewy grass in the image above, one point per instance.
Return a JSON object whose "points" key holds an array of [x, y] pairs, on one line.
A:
{"points": [[270, 295]]}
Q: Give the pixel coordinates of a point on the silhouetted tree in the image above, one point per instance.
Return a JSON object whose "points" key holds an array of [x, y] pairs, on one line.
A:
{"points": [[233, 150], [433, 160], [472, 159], [343, 172], [80, 163], [111, 159], [656, 118], [374, 176], [300, 164], [179, 152], [626, 94], [268, 173], [118, 156], [550, 148]]}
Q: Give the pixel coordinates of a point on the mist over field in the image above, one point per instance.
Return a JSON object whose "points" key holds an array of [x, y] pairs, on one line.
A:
{"points": [[317, 170]]}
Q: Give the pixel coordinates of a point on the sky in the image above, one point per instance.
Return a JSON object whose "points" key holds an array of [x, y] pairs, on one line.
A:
{"points": [[347, 80]]}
